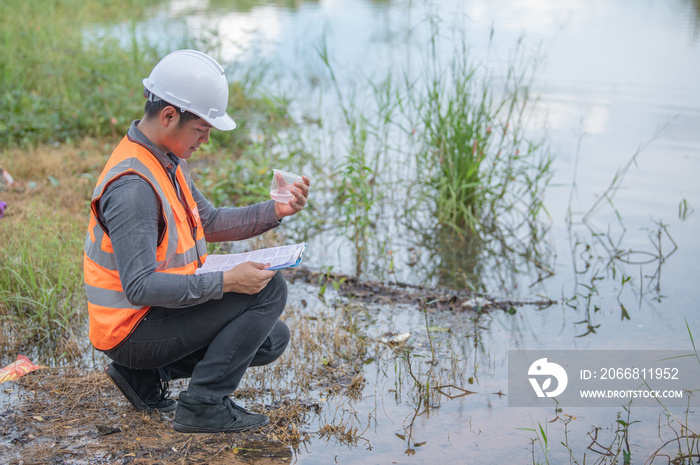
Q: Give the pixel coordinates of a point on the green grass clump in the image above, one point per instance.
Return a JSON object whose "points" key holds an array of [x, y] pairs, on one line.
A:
{"points": [[456, 119], [480, 169], [41, 279], [483, 176]]}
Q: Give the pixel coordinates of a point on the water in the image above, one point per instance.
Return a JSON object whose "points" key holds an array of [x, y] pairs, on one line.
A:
{"points": [[618, 83], [281, 195]]}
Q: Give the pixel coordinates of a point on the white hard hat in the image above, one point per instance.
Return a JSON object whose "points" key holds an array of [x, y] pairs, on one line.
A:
{"points": [[192, 81]]}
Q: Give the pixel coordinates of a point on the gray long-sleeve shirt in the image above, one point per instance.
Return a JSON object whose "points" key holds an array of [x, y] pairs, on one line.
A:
{"points": [[129, 210]]}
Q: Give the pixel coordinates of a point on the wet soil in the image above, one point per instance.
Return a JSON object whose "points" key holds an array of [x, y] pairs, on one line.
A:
{"points": [[79, 417]]}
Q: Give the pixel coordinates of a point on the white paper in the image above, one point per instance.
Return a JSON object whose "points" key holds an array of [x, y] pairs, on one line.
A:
{"points": [[278, 257]]}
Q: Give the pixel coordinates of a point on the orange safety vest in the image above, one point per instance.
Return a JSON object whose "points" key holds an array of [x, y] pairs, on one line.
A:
{"points": [[181, 246]]}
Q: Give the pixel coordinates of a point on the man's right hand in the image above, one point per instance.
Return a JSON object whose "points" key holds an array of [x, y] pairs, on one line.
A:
{"points": [[247, 278]]}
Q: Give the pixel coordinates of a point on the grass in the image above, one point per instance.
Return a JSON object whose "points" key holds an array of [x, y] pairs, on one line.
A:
{"points": [[356, 184], [42, 232], [73, 69], [455, 127], [55, 84], [40, 294]]}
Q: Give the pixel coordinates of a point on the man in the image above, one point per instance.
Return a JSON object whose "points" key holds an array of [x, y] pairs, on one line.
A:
{"points": [[147, 235]]}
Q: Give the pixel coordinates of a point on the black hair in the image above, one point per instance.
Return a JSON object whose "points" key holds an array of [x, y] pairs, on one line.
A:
{"points": [[153, 109]]}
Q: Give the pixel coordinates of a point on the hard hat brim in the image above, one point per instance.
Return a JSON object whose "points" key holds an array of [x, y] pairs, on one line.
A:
{"points": [[222, 123]]}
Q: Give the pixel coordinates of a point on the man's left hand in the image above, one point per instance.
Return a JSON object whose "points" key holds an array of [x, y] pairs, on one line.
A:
{"points": [[294, 206]]}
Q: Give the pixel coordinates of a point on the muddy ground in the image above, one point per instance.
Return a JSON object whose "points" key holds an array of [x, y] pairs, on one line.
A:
{"points": [[82, 418], [76, 416]]}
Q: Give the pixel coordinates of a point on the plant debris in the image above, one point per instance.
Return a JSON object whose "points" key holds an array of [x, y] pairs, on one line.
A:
{"points": [[433, 298]]}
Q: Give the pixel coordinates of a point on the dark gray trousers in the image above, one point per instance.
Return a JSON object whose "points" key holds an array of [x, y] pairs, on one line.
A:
{"points": [[213, 343]]}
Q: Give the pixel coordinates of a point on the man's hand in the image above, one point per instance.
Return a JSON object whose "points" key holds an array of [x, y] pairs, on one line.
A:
{"points": [[294, 206], [247, 278]]}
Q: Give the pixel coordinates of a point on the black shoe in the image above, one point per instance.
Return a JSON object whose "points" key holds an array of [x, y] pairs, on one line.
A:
{"points": [[227, 417], [143, 388]]}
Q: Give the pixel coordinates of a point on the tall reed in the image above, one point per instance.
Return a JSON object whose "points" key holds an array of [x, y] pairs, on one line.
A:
{"points": [[479, 174], [456, 129]]}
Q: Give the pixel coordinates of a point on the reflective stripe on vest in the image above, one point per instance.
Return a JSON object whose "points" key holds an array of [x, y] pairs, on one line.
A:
{"points": [[112, 316]]}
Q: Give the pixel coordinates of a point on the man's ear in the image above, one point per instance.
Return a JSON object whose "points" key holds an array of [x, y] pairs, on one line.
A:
{"points": [[169, 116]]}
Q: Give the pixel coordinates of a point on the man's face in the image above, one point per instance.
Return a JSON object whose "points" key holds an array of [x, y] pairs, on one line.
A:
{"points": [[183, 139]]}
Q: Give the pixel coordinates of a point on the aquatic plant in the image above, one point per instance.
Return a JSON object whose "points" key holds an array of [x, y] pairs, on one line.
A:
{"points": [[601, 256], [442, 149], [477, 165], [680, 443], [356, 187]]}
